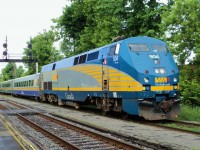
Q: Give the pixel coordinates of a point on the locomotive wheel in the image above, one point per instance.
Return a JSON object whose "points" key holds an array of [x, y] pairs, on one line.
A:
{"points": [[77, 106], [104, 113], [124, 115]]}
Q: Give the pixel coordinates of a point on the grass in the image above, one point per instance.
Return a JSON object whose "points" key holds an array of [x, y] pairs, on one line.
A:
{"points": [[195, 129], [189, 113]]}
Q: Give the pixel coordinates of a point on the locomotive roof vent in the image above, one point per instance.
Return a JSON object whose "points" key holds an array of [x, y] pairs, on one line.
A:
{"points": [[118, 38]]}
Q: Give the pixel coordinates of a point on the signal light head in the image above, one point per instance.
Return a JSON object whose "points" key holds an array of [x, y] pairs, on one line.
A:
{"points": [[5, 45]]}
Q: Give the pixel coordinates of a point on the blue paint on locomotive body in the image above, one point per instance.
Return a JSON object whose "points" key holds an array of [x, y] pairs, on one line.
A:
{"points": [[138, 72], [141, 58]]}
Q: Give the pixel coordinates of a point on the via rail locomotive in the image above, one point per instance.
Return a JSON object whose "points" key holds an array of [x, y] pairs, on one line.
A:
{"points": [[134, 76]]}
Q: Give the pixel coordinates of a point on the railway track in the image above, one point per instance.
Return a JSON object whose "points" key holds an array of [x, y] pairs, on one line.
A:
{"points": [[189, 124], [143, 144], [181, 126], [66, 135]]}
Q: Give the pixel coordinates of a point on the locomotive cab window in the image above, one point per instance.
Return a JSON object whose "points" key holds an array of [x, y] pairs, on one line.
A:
{"points": [[158, 47], [54, 66], [82, 59], [76, 60], [114, 50], [93, 56], [138, 47]]}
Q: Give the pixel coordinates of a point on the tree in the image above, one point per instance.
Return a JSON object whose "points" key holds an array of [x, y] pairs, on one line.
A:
{"points": [[71, 25], [88, 24], [11, 72], [20, 72], [42, 50], [181, 24]]}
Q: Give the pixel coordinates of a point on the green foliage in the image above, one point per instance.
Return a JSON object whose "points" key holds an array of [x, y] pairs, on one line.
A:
{"points": [[88, 24], [181, 23], [189, 113], [190, 92], [19, 72], [144, 18], [42, 50], [11, 72]]}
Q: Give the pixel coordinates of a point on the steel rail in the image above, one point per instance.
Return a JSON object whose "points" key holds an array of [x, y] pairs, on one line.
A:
{"points": [[172, 128], [184, 123], [105, 139], [109, 140], [166, 127], [48, 134]]}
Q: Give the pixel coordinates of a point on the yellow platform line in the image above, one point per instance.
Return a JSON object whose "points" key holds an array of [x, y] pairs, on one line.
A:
{"points": [[16, 135]]}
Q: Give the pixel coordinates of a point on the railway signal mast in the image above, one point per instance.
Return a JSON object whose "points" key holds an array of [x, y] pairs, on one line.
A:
{"points": [[5, 53], [6, 58]]}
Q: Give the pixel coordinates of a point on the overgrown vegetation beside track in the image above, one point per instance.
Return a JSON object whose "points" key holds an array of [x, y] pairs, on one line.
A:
{"points": [[189, 113]]}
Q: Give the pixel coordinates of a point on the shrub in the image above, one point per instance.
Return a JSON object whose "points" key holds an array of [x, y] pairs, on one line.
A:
{"points": [[189, 113], [190, 92]]}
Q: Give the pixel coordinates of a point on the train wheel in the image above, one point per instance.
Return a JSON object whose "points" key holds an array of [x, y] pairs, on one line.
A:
{"points": [[43, 98], [36, 98], [124, 115], [77, 106], [104, 113]]}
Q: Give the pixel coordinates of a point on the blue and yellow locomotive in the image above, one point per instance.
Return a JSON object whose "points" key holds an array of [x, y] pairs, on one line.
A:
{"points": [[135, 76]]}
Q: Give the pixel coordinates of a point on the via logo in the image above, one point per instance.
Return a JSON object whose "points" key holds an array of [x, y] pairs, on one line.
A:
{"points": [[69, 96], [162, 80]]}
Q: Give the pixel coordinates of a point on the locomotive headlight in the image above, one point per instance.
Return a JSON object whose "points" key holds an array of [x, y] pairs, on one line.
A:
{"points": [[175, 87], [146, 88], [146, 80], [162, 71], [156, 70], [175, 79]]}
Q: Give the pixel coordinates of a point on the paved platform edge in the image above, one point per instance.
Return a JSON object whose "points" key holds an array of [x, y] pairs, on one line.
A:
{"points": [[15, 134]]}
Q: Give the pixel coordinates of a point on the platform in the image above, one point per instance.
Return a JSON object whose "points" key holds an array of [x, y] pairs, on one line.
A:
{"points": [[7, 141]]}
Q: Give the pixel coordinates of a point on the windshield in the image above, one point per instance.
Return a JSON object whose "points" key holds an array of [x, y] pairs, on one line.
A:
{"points": [[138, 47], [157, 47]]}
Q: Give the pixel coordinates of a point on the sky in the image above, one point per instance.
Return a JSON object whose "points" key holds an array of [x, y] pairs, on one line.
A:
{"points": [[22, 19]]}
